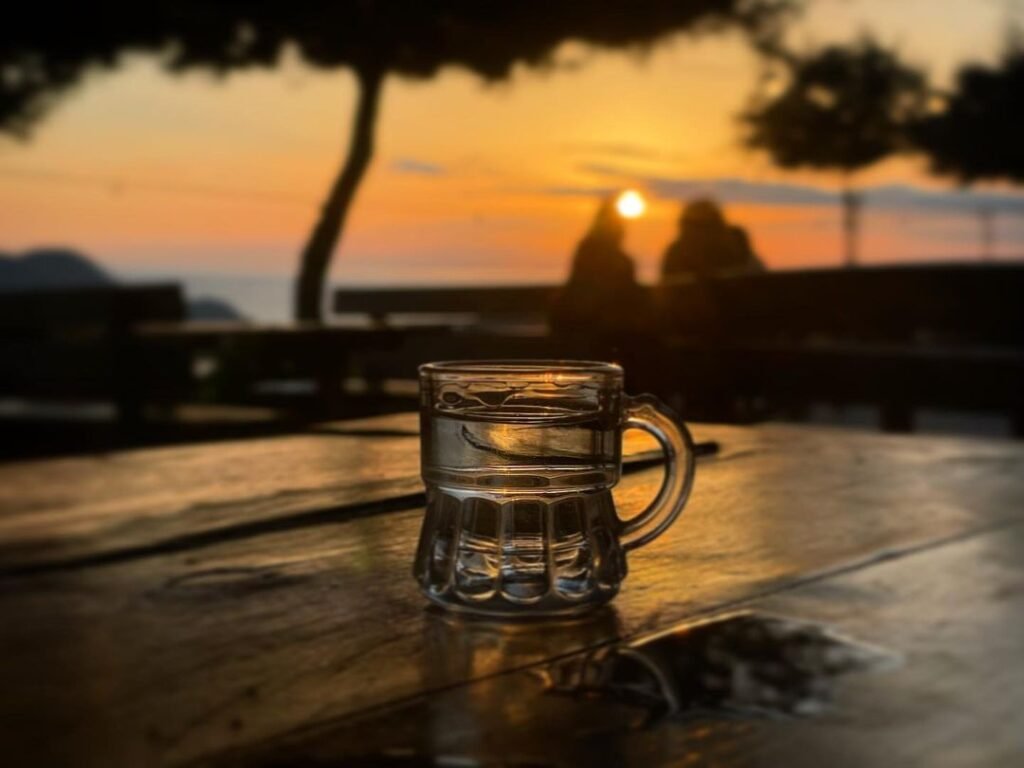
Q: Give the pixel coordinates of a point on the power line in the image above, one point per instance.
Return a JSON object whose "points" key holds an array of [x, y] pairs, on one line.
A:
{"points": [[117, 185]]}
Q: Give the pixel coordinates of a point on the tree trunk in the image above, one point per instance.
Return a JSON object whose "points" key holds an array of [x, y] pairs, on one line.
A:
{"points": [[316, 256], [851, 224]]}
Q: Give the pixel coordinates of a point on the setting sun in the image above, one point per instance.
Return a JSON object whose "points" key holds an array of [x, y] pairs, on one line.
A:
{"points": [[630, 204]]}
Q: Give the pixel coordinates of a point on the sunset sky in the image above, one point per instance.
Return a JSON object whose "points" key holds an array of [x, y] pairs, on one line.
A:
{"points": [[473, 183]]}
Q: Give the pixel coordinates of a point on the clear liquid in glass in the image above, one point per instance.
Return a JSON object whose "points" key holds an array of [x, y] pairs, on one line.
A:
{"points": [[519, 511]]}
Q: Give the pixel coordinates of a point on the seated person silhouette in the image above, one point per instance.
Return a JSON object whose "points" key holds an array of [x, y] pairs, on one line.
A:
{"points": [[708, 245], [602, 296]]}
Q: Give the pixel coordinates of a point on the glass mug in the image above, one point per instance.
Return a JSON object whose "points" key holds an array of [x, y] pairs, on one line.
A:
{"points": [[519, 459]]}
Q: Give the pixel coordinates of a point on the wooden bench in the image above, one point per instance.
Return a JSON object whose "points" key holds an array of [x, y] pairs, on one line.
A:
{"points": [[447, 323], [736, 348], [80, 345], [299, 370], [97, 368], [900, 337], [516, 305]]}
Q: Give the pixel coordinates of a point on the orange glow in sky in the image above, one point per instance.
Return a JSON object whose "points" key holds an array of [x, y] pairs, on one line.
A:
{"points": [[470, 183]]}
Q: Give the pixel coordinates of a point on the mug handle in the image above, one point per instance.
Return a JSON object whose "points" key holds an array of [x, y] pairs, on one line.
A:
{"points": [[648, 413]]}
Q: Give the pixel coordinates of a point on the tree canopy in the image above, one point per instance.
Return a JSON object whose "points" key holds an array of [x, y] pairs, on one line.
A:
{"points": [[843, 108], [840, 108], [46, 52], [978, 132]]}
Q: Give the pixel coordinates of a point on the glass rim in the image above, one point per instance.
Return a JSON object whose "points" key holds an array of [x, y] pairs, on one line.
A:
{"points": [[583, 368]]}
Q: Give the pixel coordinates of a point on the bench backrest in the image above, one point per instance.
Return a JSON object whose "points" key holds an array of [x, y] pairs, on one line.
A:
{"points": [[520, 303], [975, 304], [72, 343], [958, 304]]}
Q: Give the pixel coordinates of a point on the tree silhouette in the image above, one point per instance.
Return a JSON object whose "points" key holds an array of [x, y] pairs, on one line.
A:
{"points": [[977, 135], [45, 54], [841, 108]]}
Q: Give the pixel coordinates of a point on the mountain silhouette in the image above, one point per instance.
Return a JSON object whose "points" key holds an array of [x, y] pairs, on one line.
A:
{"points": [[210, 308], [50, 268], [53, 268]]}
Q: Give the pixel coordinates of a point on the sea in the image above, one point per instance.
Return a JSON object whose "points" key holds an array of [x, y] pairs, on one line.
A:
{"points": [[263, 298], [260, 298]]}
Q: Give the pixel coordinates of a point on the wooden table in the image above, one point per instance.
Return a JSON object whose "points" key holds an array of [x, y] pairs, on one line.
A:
{"points": [[250, 603]]}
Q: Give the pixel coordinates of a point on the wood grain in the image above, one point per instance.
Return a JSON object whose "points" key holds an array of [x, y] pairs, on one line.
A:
{"points": [[57, 510], [181, 656], [949, 619], [86, 508]]}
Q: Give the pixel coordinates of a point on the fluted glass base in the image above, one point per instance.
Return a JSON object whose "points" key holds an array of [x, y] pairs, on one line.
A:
{"points": [[519, 554]]}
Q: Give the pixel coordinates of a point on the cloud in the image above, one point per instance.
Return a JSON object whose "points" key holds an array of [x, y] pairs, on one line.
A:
{"points": [[417, 167], [741, 191], [619, 149], [582, 191], [736, 190], [904, 196]]}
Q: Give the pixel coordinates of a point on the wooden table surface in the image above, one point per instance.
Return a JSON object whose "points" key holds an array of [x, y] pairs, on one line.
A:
{"points": [[251, 603]]}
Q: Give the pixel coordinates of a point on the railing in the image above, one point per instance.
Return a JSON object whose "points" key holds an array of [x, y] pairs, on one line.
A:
{"points": [[743, 347], [731, 349]]}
